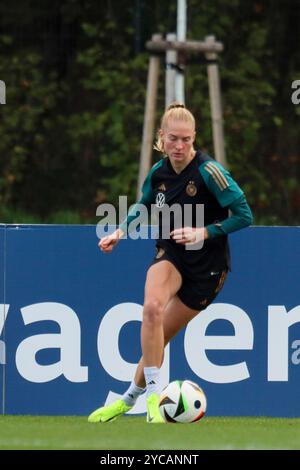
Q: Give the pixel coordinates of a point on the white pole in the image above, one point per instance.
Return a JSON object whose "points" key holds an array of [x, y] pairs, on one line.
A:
{"points": [[171, 61], [181, 36]]}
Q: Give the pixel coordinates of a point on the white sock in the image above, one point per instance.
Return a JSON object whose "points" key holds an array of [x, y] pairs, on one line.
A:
{"points": [[152, 380], [131, 395]]}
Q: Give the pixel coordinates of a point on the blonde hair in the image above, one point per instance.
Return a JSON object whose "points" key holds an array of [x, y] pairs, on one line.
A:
{"points": [[177, 112]]}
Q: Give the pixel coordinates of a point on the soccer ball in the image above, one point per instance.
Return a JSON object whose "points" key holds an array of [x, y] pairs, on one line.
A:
{"points": [[182, 402]]}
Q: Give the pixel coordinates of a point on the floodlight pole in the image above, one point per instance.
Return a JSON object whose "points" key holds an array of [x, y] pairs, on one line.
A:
{"points": [[181, 36], [171, 76]]}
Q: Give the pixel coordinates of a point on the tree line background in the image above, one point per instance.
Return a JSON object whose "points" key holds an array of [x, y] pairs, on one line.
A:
{"points": [[76, 73]]}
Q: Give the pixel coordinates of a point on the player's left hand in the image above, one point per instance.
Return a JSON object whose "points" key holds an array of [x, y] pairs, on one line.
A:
{"points": [[189, 235]]}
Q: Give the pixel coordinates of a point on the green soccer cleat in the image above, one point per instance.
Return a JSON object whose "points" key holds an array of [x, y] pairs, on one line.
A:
{"points": [[109, 412], [153, 413]]}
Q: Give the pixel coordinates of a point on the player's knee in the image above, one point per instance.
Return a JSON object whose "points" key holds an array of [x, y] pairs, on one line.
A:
{"points": [[153, 310]]}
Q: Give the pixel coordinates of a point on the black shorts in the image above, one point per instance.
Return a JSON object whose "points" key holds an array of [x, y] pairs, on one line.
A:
{"points": [[197, 291]]}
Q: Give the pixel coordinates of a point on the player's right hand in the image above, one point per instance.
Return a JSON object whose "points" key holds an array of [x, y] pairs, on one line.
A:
{"points": [[108, 243]]}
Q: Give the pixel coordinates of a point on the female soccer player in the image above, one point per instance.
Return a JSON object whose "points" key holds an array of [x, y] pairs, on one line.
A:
{"points": [[181, 281]]}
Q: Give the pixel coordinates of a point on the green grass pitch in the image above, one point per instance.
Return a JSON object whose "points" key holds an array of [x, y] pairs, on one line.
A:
{"points": [[132, 433]]}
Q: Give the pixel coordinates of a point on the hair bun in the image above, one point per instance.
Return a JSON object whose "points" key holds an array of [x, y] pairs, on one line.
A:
{"points": [[174, 105]]}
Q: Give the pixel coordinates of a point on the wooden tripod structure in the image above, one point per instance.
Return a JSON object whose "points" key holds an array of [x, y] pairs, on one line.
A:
{"points": [[210, 48]]}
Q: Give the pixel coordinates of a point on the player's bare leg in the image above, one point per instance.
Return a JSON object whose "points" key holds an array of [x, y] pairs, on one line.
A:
{"points": [[176, 316], [162, 283]]}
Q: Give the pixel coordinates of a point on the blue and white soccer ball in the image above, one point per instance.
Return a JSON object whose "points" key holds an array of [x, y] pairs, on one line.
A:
{"points": [[182, 402]]}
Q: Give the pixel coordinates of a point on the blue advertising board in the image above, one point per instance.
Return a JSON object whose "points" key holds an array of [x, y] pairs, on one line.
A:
{"points": [[2, 314], [72, 331]]}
